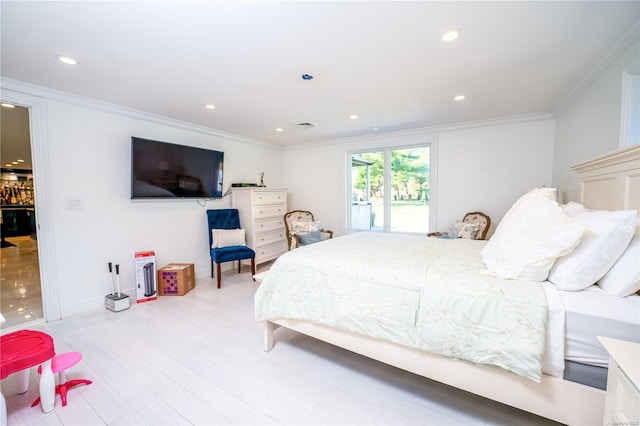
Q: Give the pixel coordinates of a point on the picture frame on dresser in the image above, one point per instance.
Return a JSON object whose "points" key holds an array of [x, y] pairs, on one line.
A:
{"points": [[262, 212]]}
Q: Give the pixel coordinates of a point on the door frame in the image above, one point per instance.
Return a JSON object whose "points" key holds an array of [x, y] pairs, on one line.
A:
{"points": [[42, 192]]}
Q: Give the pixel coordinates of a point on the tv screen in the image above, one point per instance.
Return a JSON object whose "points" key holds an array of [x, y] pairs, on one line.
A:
{"points": [[167, 170]]}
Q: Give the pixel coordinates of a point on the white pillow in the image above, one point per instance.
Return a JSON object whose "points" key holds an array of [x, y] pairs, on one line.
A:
{"points": [[623, 279], [227, 237], [530, 237], [607, 235]]}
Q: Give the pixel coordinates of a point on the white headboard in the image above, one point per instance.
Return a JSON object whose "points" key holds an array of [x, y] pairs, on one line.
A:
{"points": [[611, 181]]}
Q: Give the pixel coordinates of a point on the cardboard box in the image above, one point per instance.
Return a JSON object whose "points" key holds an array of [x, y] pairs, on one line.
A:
{"points": [[146, 286], [176, 279]]}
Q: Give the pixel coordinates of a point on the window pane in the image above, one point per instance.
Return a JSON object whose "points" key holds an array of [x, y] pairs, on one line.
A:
{"points": [[390, 190], [410, 190], [367, 190]]}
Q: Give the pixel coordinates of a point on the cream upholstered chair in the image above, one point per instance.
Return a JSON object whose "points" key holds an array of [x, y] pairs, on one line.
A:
{"points": [[302, 229], [479, 222]]}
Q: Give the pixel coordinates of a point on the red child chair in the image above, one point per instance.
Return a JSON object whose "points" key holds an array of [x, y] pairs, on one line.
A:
{"points": [[59, 364]]}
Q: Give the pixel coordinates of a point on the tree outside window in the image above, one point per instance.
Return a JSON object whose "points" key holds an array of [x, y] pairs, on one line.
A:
{"points": [[390, 190]]}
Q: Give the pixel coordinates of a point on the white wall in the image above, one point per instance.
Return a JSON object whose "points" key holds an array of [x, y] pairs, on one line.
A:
{"points": [[484, 168], [590, 125], [315, 179], [488, 168], [89, 160]]}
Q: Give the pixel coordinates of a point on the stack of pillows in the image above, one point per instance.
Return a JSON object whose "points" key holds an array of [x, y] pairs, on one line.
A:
{"points": [[571, 246]]}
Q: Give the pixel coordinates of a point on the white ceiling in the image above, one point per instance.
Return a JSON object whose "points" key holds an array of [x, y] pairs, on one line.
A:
{"points": [[381, 60]]}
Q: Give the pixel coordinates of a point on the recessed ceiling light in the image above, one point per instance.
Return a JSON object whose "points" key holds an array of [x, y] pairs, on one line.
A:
{"points": [[279, 129], [20, 161], [66, 60], [459, 98], [353, 117], [6, 105], [451, 35], [209, 106], [375, 129]]}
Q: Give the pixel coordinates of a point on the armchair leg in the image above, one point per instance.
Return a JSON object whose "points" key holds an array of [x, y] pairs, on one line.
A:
{"points": [[219, 274], [239, 265]]}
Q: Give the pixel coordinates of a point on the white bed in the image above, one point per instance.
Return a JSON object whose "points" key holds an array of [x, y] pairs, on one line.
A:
{"points": [[607, 182]]}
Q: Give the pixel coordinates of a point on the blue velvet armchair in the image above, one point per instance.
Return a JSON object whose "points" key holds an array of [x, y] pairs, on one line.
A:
{"points": [[227, 219]]}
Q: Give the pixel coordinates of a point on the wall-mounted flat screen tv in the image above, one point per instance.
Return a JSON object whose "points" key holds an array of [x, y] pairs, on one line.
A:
{"points": [[167, 170]]}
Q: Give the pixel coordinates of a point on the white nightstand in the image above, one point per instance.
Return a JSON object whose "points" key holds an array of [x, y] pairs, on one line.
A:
{"points": [[622, 404]]}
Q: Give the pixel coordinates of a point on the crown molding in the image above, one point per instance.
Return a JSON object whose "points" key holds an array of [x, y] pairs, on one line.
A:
{"points": [[55, 95], [430, 131], [627, 38]]}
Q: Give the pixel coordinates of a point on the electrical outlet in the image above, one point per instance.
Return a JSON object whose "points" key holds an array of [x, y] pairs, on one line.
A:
{"points": [[74, 204]]}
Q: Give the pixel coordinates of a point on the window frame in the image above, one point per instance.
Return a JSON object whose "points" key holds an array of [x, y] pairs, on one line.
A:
{"points": [[387, 148], [629, 121]]}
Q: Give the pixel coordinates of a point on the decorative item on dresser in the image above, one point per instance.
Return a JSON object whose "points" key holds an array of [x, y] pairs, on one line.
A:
{"points": [[261, 213]]}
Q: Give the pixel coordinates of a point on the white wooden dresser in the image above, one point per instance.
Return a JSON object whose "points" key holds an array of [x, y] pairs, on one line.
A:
{"points": [[262, 212]]}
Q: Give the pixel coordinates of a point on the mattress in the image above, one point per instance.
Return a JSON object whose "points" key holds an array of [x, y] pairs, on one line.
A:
{"points": [[592, 312]]}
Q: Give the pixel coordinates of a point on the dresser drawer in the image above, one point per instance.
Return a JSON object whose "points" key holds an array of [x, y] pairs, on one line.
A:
{"points": [[262, 212], [269, 211], [265, 198], [265, 238], [270, 251], [265, 225]]}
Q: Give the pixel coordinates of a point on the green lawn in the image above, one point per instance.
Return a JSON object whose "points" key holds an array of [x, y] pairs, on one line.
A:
{"points": [[409, 216]]}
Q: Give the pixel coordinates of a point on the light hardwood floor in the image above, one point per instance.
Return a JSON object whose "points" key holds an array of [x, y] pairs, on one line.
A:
{"points": [[20, 289], [198, 360]]}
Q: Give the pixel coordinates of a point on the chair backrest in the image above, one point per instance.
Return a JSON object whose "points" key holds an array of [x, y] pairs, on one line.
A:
{"points": [[483, 221], [297, 216], [222, 219]]}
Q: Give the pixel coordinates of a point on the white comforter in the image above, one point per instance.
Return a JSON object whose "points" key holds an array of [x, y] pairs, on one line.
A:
{"points": [[425, 293]]}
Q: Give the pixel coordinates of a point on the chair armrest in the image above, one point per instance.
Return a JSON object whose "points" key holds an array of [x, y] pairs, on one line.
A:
{"points": [[327, 231], [436, 234]]}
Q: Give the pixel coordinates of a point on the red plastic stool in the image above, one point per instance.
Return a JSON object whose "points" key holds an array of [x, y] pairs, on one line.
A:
{"points": [[59, 364]]}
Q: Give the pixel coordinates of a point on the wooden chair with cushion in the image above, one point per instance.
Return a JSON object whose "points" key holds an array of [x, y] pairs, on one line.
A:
{"points": [[479, 222], [227, 240], [302, 229]]}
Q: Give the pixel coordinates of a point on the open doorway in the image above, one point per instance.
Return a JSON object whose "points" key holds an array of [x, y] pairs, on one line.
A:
{"points": [[21, 299]]}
